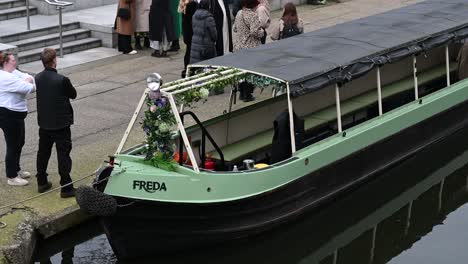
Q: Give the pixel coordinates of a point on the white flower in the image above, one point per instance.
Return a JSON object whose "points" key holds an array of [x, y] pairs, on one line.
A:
{"points": [[163, 128], [204, 93], [153, 108]]}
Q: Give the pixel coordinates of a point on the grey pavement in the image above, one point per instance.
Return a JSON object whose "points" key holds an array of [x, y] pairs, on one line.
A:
{"points": [[108, 92]]}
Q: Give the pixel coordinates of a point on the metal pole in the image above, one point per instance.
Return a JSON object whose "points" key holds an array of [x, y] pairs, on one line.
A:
{"points": [[188, 147], [408, 218], [447, 61], [335, 256], [60, 33], [441, 192], [132, 121], [338, 107], [372, 253], [28, 21], [291, 121], [415, 74], [379, 91]]}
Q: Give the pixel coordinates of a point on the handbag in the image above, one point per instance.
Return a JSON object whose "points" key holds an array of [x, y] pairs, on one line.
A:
{"points": [[124, 13]]}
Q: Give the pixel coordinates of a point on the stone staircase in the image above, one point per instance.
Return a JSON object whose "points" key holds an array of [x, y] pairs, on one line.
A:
{"points": [[10, 9], [31, 43]]}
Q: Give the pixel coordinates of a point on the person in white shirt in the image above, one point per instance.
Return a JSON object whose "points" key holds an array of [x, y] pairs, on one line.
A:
{"points": [[14, 86]]}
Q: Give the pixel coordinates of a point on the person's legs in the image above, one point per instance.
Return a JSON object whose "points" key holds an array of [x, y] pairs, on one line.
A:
{"points": [[138, 41], [63, 145], [21, 136], [186, 58], [12, 129], [43, 156], [125, 43], [175, 46], [263, 39]]}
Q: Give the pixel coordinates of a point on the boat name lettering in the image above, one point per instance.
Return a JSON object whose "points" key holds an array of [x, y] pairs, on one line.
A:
{"points": [[149, 186]]}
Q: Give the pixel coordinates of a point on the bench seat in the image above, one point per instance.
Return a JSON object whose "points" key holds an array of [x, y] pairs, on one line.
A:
{"points": [[235, 151]]}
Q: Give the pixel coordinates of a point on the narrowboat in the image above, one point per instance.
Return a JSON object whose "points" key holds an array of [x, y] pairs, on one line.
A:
{"points": [[221, 160]]}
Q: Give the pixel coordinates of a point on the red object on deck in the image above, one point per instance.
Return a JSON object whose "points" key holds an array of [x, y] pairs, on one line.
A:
{"points": [[209, 164]]}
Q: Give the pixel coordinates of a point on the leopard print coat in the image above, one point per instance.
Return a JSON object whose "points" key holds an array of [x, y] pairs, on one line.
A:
{"points": [[247, 30]]}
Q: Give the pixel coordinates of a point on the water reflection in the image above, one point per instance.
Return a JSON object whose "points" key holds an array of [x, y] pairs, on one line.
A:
{"points": [[374, 224]]}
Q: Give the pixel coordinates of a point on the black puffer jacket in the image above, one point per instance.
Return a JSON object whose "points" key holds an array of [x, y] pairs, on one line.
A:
{"points": [[204, 36]]}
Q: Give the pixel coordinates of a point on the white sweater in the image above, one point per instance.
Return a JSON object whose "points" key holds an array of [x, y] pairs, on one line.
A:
{"points": [[13, 90]]}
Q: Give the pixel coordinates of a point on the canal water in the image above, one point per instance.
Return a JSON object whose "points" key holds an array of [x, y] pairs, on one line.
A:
{"points": [[415, 212]]}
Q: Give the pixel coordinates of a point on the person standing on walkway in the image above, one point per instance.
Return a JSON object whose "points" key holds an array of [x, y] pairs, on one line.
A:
{"points": [[175, 45], [125, 26], [142, 9], [289, 24], [263, 12], [247, 28], [187, 8], [222, 17], [54, 116], [204, 34], [161, 27], [14, 86]]}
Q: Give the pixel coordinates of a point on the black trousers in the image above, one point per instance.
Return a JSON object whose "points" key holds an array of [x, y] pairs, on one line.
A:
{"points": [[12, 124], [124, 43], [187, 54], [263, 39], [63, 145]]}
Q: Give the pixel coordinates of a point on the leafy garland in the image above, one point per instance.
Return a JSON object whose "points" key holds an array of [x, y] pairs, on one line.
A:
{"points": [[158, 117], [157, 123]]}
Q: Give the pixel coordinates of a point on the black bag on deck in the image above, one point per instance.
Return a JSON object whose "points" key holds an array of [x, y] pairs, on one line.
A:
{"points": [[281, 144], [289, 30]]}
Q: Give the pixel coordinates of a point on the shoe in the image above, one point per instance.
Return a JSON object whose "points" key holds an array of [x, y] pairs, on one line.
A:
{"points": [[146, 42], [68, 194], [138, 42], [175, 46], [155, 53], [24, 174], [248, 98], [17, 181], [44, 187], [133, 52]]}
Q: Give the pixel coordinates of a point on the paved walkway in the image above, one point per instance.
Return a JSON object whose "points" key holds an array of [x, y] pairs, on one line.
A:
{"points": [[108, 91], [100, 16]]}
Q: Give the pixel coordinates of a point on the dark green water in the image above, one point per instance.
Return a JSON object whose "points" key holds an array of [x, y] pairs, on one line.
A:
{"points": [[414, 213]]}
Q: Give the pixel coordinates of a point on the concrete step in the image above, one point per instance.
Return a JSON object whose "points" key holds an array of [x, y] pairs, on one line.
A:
{"points": [[68, 47], [38, 32], [16, 12], [51, 39], [6, 4]]}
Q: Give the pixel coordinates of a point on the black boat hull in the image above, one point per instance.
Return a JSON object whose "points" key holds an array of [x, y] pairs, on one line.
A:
{"points": [[141, 228]]}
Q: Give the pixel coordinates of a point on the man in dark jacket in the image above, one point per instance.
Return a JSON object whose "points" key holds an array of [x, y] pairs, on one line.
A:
{"points": [[204, 34], [55, 116]]}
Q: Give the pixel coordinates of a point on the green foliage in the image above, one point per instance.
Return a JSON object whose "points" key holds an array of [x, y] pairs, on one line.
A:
{"points": [[159, 119], [157, 123]]}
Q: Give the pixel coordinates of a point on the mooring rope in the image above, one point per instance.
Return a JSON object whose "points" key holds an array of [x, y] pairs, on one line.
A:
{"points": [[45, 193]]}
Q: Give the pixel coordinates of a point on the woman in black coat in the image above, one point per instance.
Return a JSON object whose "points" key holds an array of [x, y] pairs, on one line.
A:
{"points": [[222, 16], [187, 8], [161, 27], [204, 34]]}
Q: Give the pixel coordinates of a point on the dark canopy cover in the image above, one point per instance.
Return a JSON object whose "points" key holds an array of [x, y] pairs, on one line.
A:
{"points": [[346, 51]]}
